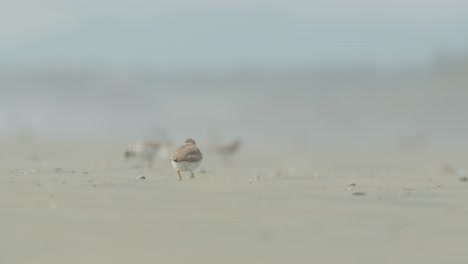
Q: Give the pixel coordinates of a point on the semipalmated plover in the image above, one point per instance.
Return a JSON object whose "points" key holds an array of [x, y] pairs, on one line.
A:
{"points": [[187, 158], [228, 150], [144, 150]]}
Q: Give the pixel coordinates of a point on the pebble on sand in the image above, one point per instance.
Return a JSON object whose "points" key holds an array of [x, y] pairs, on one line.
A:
{"points": [[359, 194]]}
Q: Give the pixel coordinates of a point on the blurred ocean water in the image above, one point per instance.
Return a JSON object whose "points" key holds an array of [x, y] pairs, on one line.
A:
{"points": [[314, 72], [308, 106]]}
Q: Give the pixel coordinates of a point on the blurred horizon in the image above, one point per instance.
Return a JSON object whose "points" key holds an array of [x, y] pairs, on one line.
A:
{"points": [[362, 73], [312, 106]]}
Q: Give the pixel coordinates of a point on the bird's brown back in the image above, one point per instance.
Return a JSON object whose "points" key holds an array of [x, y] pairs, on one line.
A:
{"points": [[187, 152]]}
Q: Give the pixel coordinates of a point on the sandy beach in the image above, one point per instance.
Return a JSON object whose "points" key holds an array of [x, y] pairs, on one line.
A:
{"points": [[82, 203], [332, 132]]}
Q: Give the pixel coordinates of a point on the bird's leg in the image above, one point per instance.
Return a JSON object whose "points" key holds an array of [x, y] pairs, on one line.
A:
{"points": [[180, 177], [192, 175]]}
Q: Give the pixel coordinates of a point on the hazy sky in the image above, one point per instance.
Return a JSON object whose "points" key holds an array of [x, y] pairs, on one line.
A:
{"points": [[176, 34]]}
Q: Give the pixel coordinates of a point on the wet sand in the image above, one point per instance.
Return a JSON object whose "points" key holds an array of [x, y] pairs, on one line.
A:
{"points": [[82, 203]]}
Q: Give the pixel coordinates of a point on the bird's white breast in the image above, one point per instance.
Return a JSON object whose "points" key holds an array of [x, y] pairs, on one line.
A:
{"points": [[185, 165]]}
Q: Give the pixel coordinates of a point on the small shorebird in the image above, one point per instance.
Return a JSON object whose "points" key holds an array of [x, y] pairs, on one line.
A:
{"points": [[187, 158], [228, 150], [144, 150]]}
